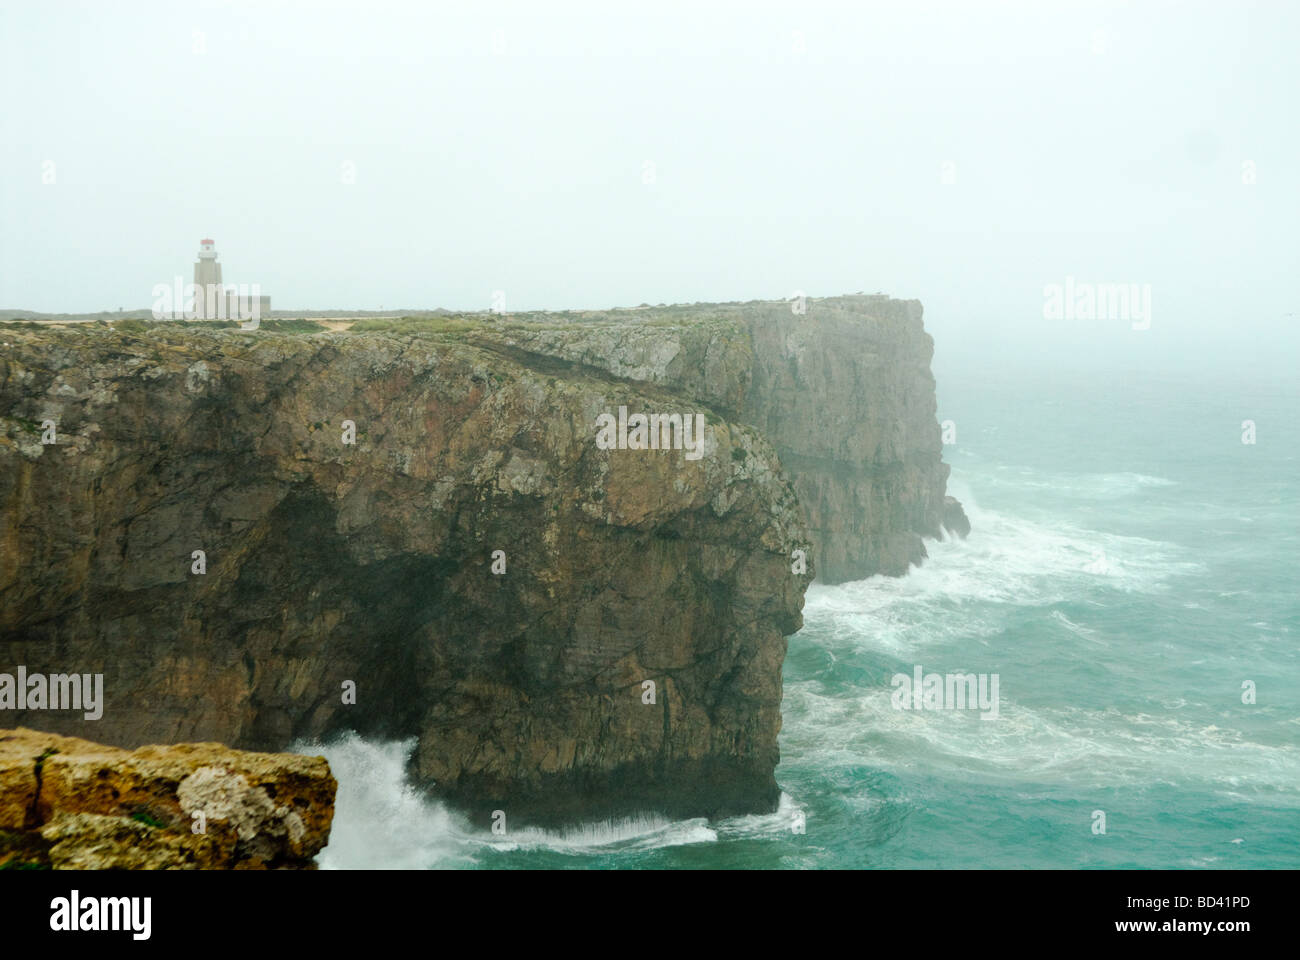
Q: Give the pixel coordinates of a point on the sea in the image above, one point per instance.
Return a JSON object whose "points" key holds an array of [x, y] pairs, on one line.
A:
{"points": [[1130, 579]]}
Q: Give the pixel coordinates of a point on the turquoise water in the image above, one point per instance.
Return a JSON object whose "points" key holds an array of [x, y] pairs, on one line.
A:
{"points": [[1132, 562]]}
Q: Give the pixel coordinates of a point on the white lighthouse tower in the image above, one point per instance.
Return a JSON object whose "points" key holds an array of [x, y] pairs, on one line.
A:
{"points": [[210, 293]]}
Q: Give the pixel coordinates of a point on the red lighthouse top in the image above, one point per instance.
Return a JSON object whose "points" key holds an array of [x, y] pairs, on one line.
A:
{"points": [[207, 241]]}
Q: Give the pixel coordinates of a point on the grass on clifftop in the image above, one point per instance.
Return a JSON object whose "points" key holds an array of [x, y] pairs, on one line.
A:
{"points": [[270, 325], [416, 325], [279, 325], [443, 324]]}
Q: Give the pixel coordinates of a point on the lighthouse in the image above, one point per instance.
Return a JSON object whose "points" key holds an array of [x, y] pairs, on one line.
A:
{"points": [[213, 301], [209, 293]]}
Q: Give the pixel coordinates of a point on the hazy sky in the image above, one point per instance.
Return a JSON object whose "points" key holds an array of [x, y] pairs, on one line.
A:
{"points": [[611, 154]]}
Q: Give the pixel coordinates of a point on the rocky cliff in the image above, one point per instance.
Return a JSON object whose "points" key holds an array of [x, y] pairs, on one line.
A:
{"points": [[841, 387], [69, 804], [411, 530]]}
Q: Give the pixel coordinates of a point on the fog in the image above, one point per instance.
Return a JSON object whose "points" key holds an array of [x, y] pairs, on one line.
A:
{"points": [[372, 155]]}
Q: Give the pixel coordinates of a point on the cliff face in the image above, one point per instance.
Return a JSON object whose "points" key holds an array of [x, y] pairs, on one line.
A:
{"points": [[846, 395], [70, 804], [371, 564], [623, 651], [843, 391]]}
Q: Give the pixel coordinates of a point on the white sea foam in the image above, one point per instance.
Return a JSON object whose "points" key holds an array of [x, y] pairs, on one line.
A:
{"points": [[1079, 486], [1061, 745], [773, 824], [644, 832], [1082, 632], [381, 822], [1006, 560]]}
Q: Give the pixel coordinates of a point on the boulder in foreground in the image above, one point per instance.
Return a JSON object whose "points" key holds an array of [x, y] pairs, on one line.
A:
{"points": [[70, 804]]}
